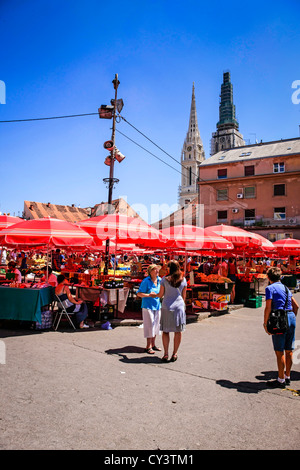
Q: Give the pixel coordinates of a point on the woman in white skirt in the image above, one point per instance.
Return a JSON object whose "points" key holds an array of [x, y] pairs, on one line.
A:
{"points": [[150, 307]]}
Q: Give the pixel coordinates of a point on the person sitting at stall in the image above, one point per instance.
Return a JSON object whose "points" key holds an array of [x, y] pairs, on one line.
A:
{"points": [[71, 305], [13, 269], [52, 279]]}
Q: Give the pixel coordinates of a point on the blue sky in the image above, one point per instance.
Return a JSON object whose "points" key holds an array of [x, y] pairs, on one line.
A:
{"points": [[60, 57]]}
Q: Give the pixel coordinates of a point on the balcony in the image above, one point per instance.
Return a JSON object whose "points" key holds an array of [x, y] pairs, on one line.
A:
{"points": [[265, 222]]}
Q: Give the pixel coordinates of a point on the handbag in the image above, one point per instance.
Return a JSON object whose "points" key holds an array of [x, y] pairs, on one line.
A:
{"points": [[277, 323]]}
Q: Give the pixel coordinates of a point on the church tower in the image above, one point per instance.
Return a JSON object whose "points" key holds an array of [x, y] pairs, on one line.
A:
{"points": [[192, 155], [227, 135]]}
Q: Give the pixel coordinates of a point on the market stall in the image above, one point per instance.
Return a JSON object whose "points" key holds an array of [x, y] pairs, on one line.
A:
{"points": [[209, 293], [24, 303]]}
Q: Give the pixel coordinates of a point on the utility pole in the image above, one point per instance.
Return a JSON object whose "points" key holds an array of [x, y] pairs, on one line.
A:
{"points": [[111, 180]]}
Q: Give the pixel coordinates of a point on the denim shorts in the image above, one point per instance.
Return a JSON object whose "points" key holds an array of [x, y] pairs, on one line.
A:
{"points": [[286, 341]]}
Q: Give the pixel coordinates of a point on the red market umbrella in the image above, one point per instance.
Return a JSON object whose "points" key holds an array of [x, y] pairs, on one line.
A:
{"points": [[123, 229], [288, 246], [7, 220], [47, 231], [266, 245], [192, 237], [238, 236]]}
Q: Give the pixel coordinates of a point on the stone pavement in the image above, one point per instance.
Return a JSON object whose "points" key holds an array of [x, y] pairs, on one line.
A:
{"points": [[98, 389]]}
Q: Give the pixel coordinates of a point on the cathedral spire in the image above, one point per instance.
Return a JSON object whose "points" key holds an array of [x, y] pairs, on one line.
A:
{"points": [[193, 134], [192, 155]]}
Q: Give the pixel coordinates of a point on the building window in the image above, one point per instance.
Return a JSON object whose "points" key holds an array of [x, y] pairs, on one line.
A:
{"points": [[222, 173], [279, 213], [283, 236], [190, 176], [249, 214], [278, 167], [249, 192], [222, 215], [279, 190], [249, 170], [222, 195]]}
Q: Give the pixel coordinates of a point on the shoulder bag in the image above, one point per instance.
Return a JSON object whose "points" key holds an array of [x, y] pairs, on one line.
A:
{"points": [[277, 323]]}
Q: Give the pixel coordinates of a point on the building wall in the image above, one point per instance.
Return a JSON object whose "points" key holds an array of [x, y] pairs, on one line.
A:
{"points": [[261, 192]]}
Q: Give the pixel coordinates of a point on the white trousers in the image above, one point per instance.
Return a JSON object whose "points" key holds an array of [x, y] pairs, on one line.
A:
{"points": [[151, 322]]}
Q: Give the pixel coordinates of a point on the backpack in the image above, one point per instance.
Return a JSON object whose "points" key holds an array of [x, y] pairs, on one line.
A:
{"points": [[277, 323]]}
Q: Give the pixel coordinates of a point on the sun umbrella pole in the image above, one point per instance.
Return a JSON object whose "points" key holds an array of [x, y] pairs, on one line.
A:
{"points": [[47, 261], [115, 260]]}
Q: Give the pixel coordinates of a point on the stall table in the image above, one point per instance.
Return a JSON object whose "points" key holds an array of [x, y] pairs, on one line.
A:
{"points": [[24, 304], [115, 297]]}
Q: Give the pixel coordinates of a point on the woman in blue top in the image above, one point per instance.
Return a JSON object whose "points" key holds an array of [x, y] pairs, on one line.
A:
{"points": [[150, 307], [283, 344], [173, 317]]}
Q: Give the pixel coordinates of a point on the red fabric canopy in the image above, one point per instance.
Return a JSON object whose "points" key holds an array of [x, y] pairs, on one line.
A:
{"points": [[123, 229], [191, 237], [288, 246], [7, 220], [266, 245], [47, 231], [236, 235]]}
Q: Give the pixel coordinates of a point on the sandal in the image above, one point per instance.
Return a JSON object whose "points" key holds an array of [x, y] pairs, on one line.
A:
{"points": [[149, 351], [155, 348], [174, 357], [165, 358]]}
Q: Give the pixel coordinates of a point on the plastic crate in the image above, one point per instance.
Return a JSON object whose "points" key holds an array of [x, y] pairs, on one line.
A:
{"points": [[254, 302]]}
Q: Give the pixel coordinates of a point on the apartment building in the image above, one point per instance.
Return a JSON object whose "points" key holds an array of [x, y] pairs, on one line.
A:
{"points": [[256, 187]]}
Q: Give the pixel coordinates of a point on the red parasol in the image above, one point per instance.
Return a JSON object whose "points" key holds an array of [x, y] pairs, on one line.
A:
{"points": [[7, 220], [288, 246], [123, 229], [47, 231], [266, 245], [238, 236], [192, 237]]}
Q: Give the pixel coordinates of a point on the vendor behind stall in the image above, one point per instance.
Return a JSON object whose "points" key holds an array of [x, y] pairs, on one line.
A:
{"points": [[52, 279], [13, 269]]}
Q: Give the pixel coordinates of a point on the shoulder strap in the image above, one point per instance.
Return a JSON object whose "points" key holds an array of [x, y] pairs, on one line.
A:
{"points": [[287, 297]]}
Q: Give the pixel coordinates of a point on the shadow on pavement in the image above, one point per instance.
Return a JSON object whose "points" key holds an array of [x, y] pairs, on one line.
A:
{"points": [[147, 359], [256, 387]]}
